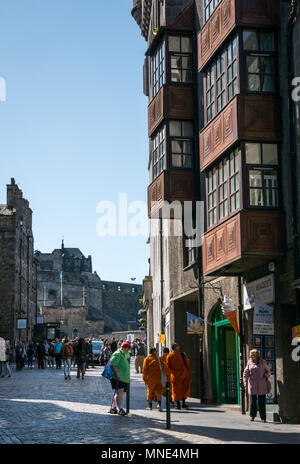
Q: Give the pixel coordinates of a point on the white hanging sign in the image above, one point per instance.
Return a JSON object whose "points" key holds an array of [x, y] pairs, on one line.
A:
{"points": [[262, 289]]}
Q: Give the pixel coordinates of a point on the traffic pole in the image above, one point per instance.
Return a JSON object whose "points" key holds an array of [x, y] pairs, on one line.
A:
{"points": [[128, 399], [168, 408]]}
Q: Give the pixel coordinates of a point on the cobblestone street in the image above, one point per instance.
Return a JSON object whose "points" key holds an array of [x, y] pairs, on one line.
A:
{"points": [[39, 406]]}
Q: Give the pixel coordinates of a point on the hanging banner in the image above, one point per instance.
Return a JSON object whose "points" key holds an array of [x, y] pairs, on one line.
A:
{"points": [[230, 313], [263, 319], [232, 317], [195, 324], [261, 289], [162, 339]]}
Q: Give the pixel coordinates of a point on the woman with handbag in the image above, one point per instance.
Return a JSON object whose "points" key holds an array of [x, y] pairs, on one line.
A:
{"points": [[256, 378], [154, 378]]}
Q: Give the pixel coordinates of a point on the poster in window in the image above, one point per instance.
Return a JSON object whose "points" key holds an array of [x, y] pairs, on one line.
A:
{"points": [[271, 365], [269, 354], [269, 341], [257, 341]]}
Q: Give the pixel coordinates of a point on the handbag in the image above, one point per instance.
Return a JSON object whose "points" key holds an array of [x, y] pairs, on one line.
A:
{"points": [[108, 373], [163, 379]]}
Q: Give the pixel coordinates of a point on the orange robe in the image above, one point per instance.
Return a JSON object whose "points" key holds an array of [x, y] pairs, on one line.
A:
{"points": [[151, 377], [180, 375]]}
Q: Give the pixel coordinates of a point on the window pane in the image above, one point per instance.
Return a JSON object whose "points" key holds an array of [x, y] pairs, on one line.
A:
{"points": [[187, 161], [255, 179], [253, 64], [186, 45], [175, 75], [254, 82], [175, 128], [186, 62], [176, 146], [253, 153], [267, 42], [176, 161], [250, 40], [187, 129], [270, 154], [267, 83], [186, 76], [256, 198], [187, 146], [176, 62], [174, 44]]}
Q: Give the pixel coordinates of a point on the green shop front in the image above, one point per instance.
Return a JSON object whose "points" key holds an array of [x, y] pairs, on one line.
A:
{"points": [[225, 360]]}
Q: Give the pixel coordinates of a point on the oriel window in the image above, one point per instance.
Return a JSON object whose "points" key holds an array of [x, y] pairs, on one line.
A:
{"points": [[181, 59], [159, 152], [221, 81], [210, 6], [259, 48], [158, 69], [262, 163], [181, 142]]}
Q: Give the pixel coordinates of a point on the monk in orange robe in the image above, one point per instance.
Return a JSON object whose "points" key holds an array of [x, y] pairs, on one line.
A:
{"points": [[180, 367], [152, 379]]}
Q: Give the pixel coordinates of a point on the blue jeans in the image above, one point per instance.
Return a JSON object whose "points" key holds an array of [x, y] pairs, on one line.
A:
{"points": [[67, 367]]}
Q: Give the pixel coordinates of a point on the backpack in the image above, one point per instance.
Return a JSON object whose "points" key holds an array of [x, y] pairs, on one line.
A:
{"points": [[108, 373]]}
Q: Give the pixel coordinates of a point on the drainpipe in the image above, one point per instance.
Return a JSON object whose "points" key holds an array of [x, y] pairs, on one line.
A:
{"points": [[198, 198], [293, 148], [161, 275], [242, 345]]}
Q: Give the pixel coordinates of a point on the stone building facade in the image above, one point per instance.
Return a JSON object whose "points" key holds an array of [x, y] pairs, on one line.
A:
{"points": [[223, 128], [17, 267], [70, 292]]}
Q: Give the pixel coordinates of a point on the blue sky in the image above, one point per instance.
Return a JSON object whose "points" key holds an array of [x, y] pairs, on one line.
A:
{"points": [[73, 128]]}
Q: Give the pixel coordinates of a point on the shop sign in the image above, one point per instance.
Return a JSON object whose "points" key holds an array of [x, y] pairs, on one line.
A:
{"points": [[195, 324], [21, 323], [263, 319], [40, 320], [261, 289]]}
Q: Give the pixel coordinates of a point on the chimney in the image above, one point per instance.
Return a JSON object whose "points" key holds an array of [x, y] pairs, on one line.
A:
{"points": [[12, 194]]}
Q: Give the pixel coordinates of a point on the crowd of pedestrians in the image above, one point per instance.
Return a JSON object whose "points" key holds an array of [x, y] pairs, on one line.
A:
{"points": [[173, 367]]}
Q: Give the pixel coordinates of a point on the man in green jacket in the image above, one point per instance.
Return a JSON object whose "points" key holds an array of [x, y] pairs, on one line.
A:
{"points": [[121, 379]]}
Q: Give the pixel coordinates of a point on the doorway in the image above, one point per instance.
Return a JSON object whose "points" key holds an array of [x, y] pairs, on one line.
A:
{"points": [[225, 360]]}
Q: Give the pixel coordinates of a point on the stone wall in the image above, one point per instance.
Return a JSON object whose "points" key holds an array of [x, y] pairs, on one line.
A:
{"points": [[17, 266]]}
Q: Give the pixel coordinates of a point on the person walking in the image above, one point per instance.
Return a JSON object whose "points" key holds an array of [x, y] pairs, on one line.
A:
{"points": [[81, 354], [113, 345], [51, 355], [57, 350], [74, 344], [91, 355], [180, 369], [30, 355], [152, 372], [41, 355], [66, 354], [140, 356], [19, 350], [47, 346], [121, 378], [255, 377]]}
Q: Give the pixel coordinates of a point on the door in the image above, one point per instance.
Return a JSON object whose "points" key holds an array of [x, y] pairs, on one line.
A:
{"points": [[225, 360]]}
